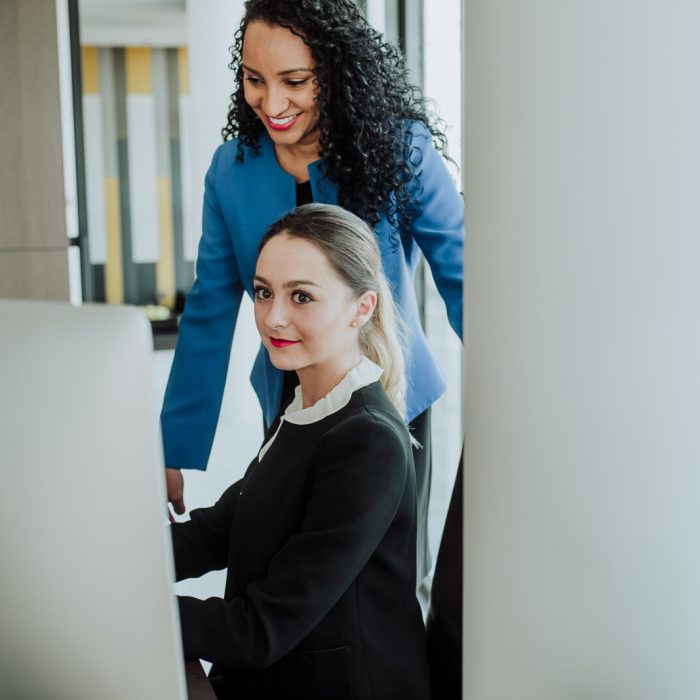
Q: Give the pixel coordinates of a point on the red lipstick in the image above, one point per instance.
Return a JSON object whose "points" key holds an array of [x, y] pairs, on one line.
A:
{"points": [[282, 343], [284, 126]]}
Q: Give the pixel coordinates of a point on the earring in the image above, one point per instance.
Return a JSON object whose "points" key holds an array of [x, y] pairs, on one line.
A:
{"points": [[353, 324]]}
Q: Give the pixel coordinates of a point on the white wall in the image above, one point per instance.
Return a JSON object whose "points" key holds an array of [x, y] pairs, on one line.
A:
{"points": [[441, 81], [211, 25], [582, 481]]}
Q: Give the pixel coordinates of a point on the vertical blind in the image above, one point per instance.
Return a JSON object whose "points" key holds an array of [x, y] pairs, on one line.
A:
{"points": [[135, 104]]}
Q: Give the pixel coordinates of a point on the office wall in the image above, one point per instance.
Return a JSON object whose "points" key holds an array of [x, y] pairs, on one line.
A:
{"points": [[582, 158], [33, 241], [211, 25]]}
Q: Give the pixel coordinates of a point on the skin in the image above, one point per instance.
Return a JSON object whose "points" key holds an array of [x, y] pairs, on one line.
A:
{"points": [[175, 486], [279, 82], [306, 315]]}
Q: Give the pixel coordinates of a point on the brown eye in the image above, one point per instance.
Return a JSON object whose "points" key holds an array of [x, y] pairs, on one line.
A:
{"points": [[301, 298]]}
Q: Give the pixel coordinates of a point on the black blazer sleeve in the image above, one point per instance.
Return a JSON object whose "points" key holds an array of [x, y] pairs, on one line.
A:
{"points": [[201, 544], [360, 469]]}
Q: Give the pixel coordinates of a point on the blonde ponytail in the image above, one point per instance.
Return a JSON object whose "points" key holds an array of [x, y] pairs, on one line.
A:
{"points": [[380, 341]]}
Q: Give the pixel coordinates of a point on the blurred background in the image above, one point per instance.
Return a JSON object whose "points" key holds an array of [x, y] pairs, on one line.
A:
{"points": [[143, 88]]}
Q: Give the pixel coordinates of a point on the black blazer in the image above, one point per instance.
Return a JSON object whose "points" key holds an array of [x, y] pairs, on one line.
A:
{"points": [[319, 541]]}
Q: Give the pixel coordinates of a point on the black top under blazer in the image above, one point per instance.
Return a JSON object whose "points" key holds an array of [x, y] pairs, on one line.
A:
{"points": [[319, 538]]}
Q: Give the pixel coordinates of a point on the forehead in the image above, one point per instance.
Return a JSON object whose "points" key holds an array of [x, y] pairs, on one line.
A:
{"points": [[285, 258], [269, 45]]}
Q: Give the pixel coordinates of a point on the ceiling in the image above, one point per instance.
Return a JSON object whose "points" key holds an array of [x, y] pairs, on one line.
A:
{"points": [[153, 5], [132, 22]]}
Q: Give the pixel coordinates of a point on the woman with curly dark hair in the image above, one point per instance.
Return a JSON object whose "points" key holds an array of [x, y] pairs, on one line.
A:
{"points": [[323, 111]]}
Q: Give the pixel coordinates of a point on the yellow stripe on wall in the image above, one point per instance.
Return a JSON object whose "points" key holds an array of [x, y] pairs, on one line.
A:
{"points": [[165, 266], [91, 80], [138, 70], [183, 71], [114, 268]]}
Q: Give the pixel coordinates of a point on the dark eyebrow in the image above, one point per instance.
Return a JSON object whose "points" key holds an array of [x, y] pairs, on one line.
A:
{"points": [[290, 284], [282, 72]]}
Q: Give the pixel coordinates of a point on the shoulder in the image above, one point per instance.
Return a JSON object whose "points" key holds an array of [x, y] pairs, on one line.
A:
{"points": [[423, 159], [226, 156], [419, 140], [370, 422], [364, 442], [417, 131]]}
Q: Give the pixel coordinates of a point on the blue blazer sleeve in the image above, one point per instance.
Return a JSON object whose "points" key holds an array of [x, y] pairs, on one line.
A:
{"points": [[196, 384], [438, 224]]}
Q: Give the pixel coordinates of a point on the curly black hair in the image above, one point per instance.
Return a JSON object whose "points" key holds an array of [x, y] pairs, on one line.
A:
{"points": [[365, 100]]}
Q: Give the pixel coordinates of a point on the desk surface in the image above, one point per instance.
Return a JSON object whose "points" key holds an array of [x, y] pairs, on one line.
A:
{"points": [[198, 686]]}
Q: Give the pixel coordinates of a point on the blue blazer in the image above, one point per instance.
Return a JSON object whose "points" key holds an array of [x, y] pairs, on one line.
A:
{"points": [[241, 201]]}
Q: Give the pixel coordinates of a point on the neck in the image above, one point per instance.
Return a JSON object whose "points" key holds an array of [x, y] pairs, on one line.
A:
{"points": [[316, 382], [296, 159]]}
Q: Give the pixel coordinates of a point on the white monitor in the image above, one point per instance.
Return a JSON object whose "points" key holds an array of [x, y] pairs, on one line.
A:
{"points": [[86, 602]]}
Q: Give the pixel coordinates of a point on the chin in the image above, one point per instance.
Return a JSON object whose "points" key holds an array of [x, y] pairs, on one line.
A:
{"points": [[284, 366], [284, 138], [284, 363]]}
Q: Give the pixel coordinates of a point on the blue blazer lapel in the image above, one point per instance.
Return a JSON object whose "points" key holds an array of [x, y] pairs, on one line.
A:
{"points": [[260, 196]]}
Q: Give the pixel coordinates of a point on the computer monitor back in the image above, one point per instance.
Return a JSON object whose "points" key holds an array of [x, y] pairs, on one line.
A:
{"points": [[86, 603]]}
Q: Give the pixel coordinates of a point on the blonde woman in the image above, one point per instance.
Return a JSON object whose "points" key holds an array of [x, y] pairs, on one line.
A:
{"points": [[319, 535]]}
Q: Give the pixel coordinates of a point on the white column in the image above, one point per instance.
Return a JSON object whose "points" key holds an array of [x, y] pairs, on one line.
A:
{"points": [[211, 25], [143, 177], [376, 14], [582, 471]]}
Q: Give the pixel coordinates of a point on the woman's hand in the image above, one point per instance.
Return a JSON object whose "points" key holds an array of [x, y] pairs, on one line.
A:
{"points": [[176, 486]]}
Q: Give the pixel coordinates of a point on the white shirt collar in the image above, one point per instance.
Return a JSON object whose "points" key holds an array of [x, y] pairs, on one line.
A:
{"points": [[363, 374]]}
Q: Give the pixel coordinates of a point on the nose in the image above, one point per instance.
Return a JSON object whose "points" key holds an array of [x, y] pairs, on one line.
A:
{"points": [[276, 316], [276, 102]]}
